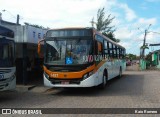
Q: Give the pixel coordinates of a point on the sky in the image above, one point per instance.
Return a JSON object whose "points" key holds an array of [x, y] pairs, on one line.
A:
{"points": [[132, 17]]}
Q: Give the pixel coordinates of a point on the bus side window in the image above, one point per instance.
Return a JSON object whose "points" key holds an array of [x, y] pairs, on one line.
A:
{"points": [[118, 52], [105, 48], [96, 48], [99, 48], [113, 51], [115, 54], [110, 49], [124, 52]]}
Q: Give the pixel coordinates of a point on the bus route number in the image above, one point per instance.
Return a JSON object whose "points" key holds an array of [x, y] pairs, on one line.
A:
{"points": [[54, 75]]}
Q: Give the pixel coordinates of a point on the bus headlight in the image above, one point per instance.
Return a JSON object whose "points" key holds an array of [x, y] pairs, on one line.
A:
{"points": [[87, 74], [46, 75], [12, 77], [90, 73]]}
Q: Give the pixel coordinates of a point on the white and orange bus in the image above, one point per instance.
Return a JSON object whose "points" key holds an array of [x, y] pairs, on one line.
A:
{"points": [[80, 57], [7, 58]]}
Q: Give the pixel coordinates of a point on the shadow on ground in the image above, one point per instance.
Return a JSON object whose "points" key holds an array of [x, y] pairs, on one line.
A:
{"points": [[127, 85]]}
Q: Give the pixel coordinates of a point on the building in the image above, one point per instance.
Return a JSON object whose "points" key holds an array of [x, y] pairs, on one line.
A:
{"points": [[156, 58], [27, 60]]}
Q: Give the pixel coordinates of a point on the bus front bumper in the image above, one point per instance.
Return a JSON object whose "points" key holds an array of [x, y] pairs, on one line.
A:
{"points": [[8, 84], [88, 82]]}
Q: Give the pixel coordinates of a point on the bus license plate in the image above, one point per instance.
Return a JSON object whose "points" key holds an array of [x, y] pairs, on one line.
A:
{"points": [[64, 82]]}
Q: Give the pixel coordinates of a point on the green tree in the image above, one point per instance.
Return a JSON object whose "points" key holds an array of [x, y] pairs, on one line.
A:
{"points": [[131, 56], [111, 36], [103, 25], [144, 47]]}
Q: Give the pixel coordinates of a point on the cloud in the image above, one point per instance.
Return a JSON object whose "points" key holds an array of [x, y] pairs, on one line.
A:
{"points": [[123, 33], [130, 14], [54, 13], [126, 45], [144, 21], [78, 13], [153, 37]]}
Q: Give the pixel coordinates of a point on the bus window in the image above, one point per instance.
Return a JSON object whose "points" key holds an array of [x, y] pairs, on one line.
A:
{"points": [[110, 50], [105, 48], [118, 52], [124, 52], [99, 47], [115, 52]]}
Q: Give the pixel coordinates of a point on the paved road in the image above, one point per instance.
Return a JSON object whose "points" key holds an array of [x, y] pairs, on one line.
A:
{"points": [[136, 89]]}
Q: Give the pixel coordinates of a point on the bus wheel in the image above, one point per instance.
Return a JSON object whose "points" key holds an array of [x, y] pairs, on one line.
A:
{"points": [[120, 73], [104, 82]]}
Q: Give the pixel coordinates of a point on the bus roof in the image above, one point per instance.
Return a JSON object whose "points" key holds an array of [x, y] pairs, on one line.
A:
{"points": [[108, 39], [71, 28], [96, 32]]}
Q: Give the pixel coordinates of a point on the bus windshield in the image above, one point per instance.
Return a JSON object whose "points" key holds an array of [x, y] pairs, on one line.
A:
{"points": [[66, 51], [6, 53]]}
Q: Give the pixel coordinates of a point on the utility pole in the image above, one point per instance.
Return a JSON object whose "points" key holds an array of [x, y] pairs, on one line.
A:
{"points": [[13, 16], [144, 41], [0, 17], [17, 19]]}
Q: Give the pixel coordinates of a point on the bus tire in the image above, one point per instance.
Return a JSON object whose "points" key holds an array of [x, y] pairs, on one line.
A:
{"points": [[120, 72], [104, 82]]}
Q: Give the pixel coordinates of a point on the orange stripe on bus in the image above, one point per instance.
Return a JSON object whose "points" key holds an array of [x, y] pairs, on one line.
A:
{"points": [[99, 65], [68, 75]]}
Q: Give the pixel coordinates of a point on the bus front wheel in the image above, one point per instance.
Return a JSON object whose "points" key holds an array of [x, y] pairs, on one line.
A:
{"points": [[104, 82]]}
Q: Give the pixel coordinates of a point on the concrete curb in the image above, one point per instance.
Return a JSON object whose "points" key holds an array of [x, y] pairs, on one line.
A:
{"points": [[24, 88]]}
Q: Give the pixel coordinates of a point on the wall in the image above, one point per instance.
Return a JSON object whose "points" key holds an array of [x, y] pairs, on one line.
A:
{"points": [[33, 34], [158, 66], [26, 33]]}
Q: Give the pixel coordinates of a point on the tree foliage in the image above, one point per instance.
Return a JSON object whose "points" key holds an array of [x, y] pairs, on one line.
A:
{"points": [[131, 56], [104, 25], [111, 36], [144, 47]]}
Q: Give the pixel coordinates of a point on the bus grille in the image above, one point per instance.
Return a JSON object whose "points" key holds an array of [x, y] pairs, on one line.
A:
{"points": [[2, 86], [3, 71], [3, 80], [71, 81]]}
